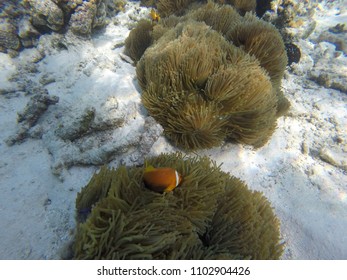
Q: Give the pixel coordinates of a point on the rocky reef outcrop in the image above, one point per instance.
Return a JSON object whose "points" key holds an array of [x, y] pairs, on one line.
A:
{"points": [[22, 22]]}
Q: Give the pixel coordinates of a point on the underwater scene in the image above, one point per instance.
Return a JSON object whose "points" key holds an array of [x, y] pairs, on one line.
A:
{"points": [[173, 129]]}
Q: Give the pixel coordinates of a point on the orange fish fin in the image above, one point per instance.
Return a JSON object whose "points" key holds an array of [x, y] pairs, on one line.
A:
{"points": [[169, 188]]}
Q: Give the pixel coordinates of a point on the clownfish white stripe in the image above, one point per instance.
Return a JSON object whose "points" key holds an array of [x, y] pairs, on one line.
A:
{"points": [[177, 178]]}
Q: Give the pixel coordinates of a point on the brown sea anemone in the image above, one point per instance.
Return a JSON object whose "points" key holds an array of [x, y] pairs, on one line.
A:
{"points": [[211, 215], [213, 75]]}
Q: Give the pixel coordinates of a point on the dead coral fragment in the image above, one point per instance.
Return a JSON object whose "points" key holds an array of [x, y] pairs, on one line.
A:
{"points": [[212, 215], [28, 118]]}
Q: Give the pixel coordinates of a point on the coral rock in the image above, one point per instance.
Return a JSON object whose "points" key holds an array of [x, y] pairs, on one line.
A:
{"points": [[45, 13], [27, 33], [8, 36], [90, 14]]}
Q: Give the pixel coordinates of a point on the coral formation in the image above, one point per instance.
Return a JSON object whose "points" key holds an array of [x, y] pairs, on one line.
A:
{"points": [[296, 22], [10, 14], [333, 76], [22, 22], [211, 215], [46, 14], [293, 18], [8, 36], [211, 75], [86, 16]]}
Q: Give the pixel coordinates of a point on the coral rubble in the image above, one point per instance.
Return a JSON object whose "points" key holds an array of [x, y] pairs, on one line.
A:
{"points": [[36, 106]]}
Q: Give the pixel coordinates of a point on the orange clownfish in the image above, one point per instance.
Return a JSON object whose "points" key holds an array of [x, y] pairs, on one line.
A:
{"points": [[162, 179]]}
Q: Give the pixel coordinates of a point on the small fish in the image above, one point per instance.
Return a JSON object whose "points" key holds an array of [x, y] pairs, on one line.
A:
{"points": [[154, 15], [162, 179]]}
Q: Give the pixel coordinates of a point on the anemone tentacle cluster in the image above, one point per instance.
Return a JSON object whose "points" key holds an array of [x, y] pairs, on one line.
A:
{"points": [[211, 75], [210, 215]]}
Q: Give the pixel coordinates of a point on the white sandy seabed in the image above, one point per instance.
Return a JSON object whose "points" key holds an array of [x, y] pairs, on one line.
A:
{"points": [[301, 170]]}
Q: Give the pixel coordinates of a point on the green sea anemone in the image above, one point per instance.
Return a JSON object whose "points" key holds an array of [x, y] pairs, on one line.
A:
{"points": [[139, 40], [211, 215], [213, 75]]}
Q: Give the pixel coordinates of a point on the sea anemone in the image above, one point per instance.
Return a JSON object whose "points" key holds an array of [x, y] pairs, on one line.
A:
{"points": [[213, 75], [211, 215]]}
